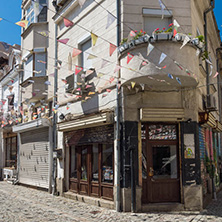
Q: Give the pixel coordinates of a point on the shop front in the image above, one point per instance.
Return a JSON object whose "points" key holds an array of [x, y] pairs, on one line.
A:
{"points": [[90, 161]]}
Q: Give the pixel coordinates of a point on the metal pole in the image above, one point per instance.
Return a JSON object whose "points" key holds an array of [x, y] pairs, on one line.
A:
{"points": [[132, 181], [54, 162], [118, 117]]}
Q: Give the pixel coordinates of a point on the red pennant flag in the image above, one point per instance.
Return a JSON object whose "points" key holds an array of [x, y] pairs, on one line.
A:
{"points": [[78, 69], [67, 22], [3, 101], [164, 67], [111, 79], [64, 41], [132, 33], [76, 52], [108, 90], [174, 32], [129, 57], [112, 48]]}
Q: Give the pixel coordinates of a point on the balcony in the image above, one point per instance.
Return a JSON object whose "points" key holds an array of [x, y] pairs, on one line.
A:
{"points": [[34, 89], [179, 63]]}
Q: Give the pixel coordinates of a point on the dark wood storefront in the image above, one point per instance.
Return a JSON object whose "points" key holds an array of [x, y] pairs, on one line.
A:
{"points": [[91, 166], [160, 163]]}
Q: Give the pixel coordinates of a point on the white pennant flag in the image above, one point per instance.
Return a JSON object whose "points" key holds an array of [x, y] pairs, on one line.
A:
{"points": [[110, 20], [208, 61], [149, 48], [197, 52], [162, 57], [175, 23], [185, 41], [162, 6], [104, 63], [211, 70], [81, 2]]}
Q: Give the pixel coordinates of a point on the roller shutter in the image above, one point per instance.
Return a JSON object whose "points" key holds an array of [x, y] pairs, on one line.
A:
{"points": [[34, 158]]}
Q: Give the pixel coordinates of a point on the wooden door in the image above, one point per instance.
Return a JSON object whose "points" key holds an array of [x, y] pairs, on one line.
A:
{"points": [[163, 179], [160, 165]]}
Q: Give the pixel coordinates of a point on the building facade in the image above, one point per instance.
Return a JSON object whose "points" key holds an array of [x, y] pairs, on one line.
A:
{"points": [[121, 102]]}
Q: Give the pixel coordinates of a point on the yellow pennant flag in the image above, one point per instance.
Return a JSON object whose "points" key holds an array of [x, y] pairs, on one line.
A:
{"points": [[133, 84], [94, 38], [91, 93], [100, 75], [22, 23]]}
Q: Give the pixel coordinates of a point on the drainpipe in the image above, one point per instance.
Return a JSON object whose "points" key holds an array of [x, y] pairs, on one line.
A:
{"points": [[218, 80], [54, 130], [212, 4], [118, 95]]}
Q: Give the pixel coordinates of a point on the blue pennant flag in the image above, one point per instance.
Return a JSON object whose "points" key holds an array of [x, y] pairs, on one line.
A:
{"points": [[178, 80], [170, 76]]}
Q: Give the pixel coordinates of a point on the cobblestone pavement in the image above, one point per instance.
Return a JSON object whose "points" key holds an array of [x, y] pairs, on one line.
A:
{"points": [[18, 203]]}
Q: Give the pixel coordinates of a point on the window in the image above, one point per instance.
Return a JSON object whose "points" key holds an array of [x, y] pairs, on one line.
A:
{"points": [[30, 15], [10, 102], [73, 169], [11, 152], [107, 163], [153, 19], [28, 67], [86, 50], [40, 64]]}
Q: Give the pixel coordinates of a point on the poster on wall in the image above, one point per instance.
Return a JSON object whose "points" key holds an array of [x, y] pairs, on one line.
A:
{"points": [[189, 146]]}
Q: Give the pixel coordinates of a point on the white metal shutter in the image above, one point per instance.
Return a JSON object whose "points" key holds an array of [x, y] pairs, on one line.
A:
{"points": [[34, 158]]}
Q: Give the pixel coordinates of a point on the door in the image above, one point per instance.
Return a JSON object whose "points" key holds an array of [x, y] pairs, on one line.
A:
{"points": [[160, 165]]}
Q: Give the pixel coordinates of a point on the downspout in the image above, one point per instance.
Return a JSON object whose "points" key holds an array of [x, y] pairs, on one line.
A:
{"points": [[212, 4], [54, 138], [118, 96], [218, 81]]}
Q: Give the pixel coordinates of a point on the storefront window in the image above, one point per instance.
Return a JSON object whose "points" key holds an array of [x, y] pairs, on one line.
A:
{"points": [[107, 163], [84, 164], [73, 162], [95, 163], [162, 132]]}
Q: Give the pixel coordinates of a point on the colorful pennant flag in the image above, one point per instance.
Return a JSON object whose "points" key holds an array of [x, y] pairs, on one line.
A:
{"points": [[112, 48], [143, 63], [217, 73], [64, 41], [91, 93], [185, 41], [110, 20], [178, 80], [88, 86], [44, 33], [170, 76], [68, 23], [211, 70], [162, 6], [133, 84], [100, 75], [89, 72], [22, 23], [94, 39], [129, 57], [175, 23], [149, 48], [162, 57], [178, 65], [1, 19], [197, 52], [132, 33], [47, 83], [91, 56], [78, 69], [76, 52], [188, 72], [111, 79]]}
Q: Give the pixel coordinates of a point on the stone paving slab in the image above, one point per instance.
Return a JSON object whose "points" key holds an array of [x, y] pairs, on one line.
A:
{"points": [[19, 203]]}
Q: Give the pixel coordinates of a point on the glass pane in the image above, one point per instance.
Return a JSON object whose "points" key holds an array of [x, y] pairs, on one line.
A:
{"points": [[144, 160], [84, 164], [95, 163], [164, 162], [73, 173], [162, 132], [107, 163]]}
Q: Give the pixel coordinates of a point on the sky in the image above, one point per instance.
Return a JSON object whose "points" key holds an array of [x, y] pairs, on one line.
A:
{"points": [[11, 10]]}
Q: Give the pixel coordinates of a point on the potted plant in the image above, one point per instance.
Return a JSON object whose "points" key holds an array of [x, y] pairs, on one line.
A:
{"points": [[164, 34]]}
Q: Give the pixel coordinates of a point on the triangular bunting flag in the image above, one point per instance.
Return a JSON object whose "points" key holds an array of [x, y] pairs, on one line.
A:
{"points": [[133, 84], [174, 32], [104, 63], [185, 41], [91, 93], [175, 23], [217, 73], [188, 72], [129, 57], [94, 39], [149, 48], [76, 52], [22, 23], [108, 90], [162, 57], [162, 6], [117, 68], [208, 61], [89, 72], [170, 76], [100, 75], [91, 56], [164, 67], [81, 3], [111, 79], [88, 86], [132, 33], [112, 48], [67, 22], [197, 52], [78, 69], [178, 80], [178, 65], [110, 20], [211, 70], [64, 41]]}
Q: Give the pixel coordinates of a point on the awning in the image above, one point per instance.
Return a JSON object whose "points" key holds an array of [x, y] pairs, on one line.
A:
{"points": [[207, 120], [95, 120]]}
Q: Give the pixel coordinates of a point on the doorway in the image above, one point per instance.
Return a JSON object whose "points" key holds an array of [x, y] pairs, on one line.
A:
{"points": [[160, 172]]}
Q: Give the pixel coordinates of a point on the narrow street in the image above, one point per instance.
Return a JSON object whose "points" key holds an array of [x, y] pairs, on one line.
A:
{"points": [[18, 203]]}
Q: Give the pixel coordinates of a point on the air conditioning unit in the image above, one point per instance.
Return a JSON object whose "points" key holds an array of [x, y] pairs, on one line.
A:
{"points": [[61, 2], [211, 103]]}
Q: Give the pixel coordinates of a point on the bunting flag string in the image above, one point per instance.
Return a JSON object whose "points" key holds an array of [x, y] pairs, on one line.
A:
{"points": [[22, 23], [64, 41], [67, 22], [110, 20], [112, 48]]}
